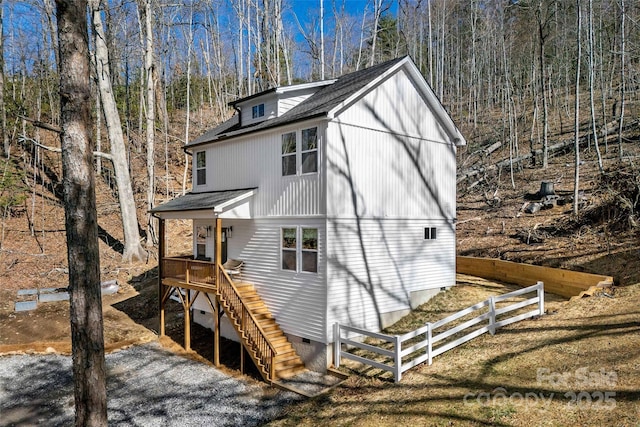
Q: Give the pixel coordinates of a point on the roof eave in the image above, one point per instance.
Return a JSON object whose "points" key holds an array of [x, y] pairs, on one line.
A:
{"points": [[227, 137]]}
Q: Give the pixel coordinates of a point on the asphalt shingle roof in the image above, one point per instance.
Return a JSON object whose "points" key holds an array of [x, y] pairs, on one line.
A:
{"points": [[200, 201], [318, 104]]}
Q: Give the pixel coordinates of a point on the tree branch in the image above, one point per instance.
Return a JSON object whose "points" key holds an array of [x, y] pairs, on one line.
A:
{"points": [[58, 150], [41, 125]]}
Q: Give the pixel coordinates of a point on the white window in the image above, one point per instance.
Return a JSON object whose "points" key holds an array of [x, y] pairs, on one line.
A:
{"points": [[309, 150], [300, 152], [289, 249], [289, 154], [201, 242], [257, 111], [430, 233], [201, 168], [309, 252], [299, 247]]}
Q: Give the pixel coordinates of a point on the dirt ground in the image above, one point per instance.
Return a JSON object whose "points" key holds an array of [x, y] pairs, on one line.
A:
{"points": [[490, 223], [490, 220]]}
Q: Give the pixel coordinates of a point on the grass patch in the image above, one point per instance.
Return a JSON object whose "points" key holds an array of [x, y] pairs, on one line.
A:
{"points": [[506, 379]]}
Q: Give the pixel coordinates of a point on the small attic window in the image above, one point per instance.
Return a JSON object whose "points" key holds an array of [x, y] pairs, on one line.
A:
{"points": [[430, 233], [257, 111]]}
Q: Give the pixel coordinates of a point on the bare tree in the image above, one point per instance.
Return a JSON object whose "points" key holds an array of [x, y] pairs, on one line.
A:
{"points": [[576, 182], [543, 20], [3, 112], [188, 102], [622, 72], [132, 247], [321, 40], [80, 216], [151, 119], [594, 129]]}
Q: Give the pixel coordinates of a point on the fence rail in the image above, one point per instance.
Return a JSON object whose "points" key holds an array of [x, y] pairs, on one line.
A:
{"points": [[423, 350]]}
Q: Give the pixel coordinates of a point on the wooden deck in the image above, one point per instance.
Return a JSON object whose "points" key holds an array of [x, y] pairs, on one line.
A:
{"points": [[261, 336]]}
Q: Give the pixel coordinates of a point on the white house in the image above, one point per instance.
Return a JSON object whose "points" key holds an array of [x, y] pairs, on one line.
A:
{"points": [[340, 199]]}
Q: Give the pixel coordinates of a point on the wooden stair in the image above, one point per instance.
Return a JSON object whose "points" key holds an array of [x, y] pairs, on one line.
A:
{"points": [[260, 334]]}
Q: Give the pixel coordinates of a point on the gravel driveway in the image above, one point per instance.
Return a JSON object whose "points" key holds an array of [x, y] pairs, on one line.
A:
{"points": [[146, 386]]}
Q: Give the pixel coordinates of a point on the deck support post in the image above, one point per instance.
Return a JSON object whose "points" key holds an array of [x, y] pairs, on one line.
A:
{"points": [[218, 258], [161, 255], [216, 334], [187, 320], [241, 359]]}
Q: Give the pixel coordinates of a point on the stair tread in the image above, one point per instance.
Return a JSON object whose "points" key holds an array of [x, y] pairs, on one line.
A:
{"points": [[287, 361]]}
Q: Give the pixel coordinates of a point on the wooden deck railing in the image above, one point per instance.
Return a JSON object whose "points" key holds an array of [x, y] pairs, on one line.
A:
{"points": [[188, 270], [260, 348]]}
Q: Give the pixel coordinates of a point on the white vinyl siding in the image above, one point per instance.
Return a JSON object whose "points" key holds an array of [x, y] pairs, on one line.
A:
{"points": [[270, 110], [375, 265], [396, 106], [296, 299], [288, 102], [375, 174], [389, 157], [256, 161]]}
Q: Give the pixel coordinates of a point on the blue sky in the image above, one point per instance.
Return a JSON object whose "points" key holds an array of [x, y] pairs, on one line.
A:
{"points": [[24, 32]]}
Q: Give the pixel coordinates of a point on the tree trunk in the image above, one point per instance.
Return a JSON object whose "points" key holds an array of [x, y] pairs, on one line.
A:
{"points": [[132, 248], [321, 40], [592, 76], [188, 106], [576, 137], [543, 90], [622, 87], [3, 112], [151, 119], [80, 216]]}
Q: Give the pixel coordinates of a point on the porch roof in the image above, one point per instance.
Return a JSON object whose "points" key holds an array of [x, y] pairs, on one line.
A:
{"points": [[216, 201]]}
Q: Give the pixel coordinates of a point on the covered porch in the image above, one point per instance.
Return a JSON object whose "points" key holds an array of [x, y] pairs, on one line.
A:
{"points": [[200, 274], [204, 276]]}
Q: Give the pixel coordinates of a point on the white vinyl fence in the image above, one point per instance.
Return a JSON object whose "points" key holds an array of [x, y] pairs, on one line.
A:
{"points": [[419, 350]]}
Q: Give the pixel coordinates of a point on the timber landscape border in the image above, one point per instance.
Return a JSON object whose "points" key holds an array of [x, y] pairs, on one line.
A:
{"points": [[566, 283]]}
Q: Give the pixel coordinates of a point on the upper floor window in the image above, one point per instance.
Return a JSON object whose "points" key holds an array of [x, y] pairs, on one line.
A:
{"points": [[300, 152], [201, 168], [257, 111], [289, 154], [309, 150]]}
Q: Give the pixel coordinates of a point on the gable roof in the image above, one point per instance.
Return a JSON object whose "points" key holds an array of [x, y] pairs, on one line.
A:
{"points": [[328, 100]]}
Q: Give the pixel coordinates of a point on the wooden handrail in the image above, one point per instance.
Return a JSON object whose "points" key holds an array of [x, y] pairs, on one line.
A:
{"points": [[248, 327], [176, 266], [247, 322]]}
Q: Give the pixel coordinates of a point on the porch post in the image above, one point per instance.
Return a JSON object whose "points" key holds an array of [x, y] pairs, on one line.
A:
{"points": [[218, 247], [161, 254]]}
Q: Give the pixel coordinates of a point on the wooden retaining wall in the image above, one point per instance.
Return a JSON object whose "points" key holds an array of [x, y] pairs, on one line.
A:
{"points": [[561, 282]]}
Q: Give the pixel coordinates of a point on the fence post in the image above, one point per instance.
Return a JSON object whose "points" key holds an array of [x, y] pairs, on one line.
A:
{"points": [[398, 358], [492, 316], [429, 347], [336, 345], [541, 298]]}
